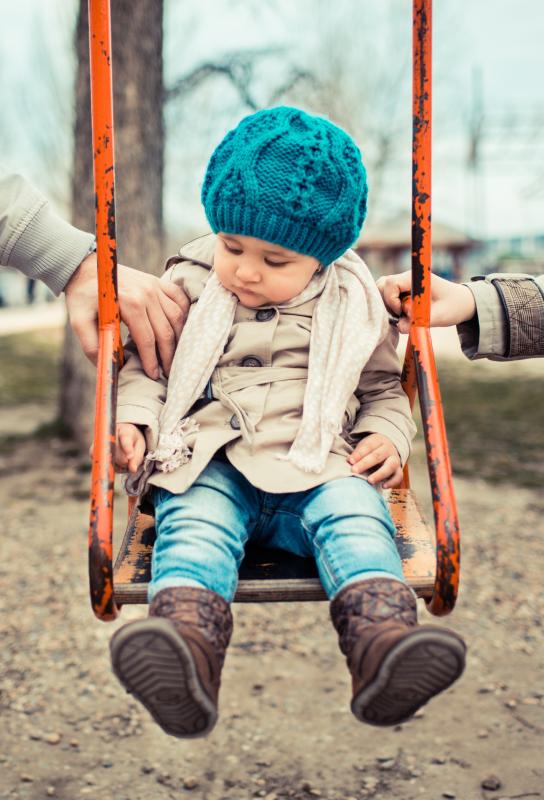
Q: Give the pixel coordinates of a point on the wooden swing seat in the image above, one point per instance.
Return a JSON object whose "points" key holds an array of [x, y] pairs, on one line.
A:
{"points": [[276, 576]]}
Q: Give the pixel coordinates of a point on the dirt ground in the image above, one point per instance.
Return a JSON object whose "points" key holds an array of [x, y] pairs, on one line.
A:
{"points": [[68, 730]]}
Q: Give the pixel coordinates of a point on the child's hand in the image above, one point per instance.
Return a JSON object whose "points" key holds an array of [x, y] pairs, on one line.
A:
{"points": [[129, 448], [377, 451]]}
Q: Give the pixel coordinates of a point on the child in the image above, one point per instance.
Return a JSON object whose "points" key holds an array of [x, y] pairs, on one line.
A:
{"points": [[282, 415]]}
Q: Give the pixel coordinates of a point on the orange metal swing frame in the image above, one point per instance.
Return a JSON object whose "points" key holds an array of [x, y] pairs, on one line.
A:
{"points": [[419, 375]]}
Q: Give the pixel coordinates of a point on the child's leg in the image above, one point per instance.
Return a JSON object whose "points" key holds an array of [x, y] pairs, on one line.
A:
{"points": [[351, 533], [396, 666], [172, 661], [201, 534], [345, 524]]}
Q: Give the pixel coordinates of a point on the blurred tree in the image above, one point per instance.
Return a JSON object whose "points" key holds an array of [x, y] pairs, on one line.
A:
{"points": [[36, 122]]}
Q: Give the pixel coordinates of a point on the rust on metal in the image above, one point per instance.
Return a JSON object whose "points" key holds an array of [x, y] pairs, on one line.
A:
{"points": [[109, 347], [419, 372], [438, 460], [421, 160]]}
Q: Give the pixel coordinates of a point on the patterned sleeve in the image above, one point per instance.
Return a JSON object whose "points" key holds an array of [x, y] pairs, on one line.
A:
{"points": [[509, 324]]}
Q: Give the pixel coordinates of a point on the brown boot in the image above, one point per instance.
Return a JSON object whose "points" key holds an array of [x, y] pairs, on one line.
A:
{"points": [[396, 665], [171, 662]]}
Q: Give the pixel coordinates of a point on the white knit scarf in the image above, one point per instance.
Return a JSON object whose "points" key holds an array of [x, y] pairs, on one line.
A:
{"points": [[349, 321]]}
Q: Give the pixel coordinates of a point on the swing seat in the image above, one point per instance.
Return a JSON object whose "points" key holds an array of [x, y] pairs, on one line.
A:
{"points": [[270, 575]]}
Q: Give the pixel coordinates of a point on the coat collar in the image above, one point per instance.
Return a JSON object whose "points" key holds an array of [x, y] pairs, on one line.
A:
{"points": [[200, 250]]}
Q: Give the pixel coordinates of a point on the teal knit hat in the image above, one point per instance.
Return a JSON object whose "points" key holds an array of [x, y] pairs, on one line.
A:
{"points": [[289, 178]]}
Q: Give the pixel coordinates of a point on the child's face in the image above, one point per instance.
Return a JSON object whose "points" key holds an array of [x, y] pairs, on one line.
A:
{"points": [[260, 273]]}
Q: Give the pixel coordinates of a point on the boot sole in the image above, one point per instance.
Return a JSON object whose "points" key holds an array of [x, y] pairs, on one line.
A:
{"points": [[417, 668], [154, 664]]}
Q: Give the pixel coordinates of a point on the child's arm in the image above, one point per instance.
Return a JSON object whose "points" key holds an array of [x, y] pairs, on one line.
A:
{"points": [[140, 399], [383, 423]]}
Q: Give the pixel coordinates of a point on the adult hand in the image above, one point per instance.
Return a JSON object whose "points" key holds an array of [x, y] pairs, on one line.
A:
{"points": [[154, 311], [378, 453], [451, 303]]}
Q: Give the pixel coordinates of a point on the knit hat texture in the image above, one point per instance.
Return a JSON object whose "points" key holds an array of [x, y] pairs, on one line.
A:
{"points": [[290, 178]]}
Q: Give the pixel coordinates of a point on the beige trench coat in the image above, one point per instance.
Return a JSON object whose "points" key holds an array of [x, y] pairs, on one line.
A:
{"points": [[258, 389]]}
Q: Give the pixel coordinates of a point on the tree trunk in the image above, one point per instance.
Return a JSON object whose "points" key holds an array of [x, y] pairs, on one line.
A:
{"points": [[139, 146]]}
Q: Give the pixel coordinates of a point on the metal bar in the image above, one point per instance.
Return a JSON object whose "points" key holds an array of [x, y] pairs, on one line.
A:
{"points": [[110, 350], [438, 461], [420, 357], [421, 161]]}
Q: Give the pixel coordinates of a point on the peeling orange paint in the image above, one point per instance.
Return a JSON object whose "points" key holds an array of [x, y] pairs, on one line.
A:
{"points": [[110, 352]]}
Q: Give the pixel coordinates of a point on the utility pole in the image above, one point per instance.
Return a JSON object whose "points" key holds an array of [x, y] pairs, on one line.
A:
{"points": [[476, 199]]}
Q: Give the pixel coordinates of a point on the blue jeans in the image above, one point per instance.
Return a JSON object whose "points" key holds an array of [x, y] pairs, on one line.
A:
{"points": [[201, 534]]}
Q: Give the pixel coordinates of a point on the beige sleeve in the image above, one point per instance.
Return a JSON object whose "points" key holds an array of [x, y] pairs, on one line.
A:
{"points": [[384, 405], [140, 399], [34, 239]]}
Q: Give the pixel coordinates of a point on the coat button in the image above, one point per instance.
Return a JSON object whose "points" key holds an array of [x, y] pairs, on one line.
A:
{"points": [[235, 423], [264, 314], [251, 361]]}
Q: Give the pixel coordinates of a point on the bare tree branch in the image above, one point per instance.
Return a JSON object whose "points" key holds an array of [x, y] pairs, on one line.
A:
{"points": [[238, 68], [296, 77]]}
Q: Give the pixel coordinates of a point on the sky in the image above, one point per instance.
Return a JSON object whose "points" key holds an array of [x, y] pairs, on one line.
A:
{"points": [[489, 50]]}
